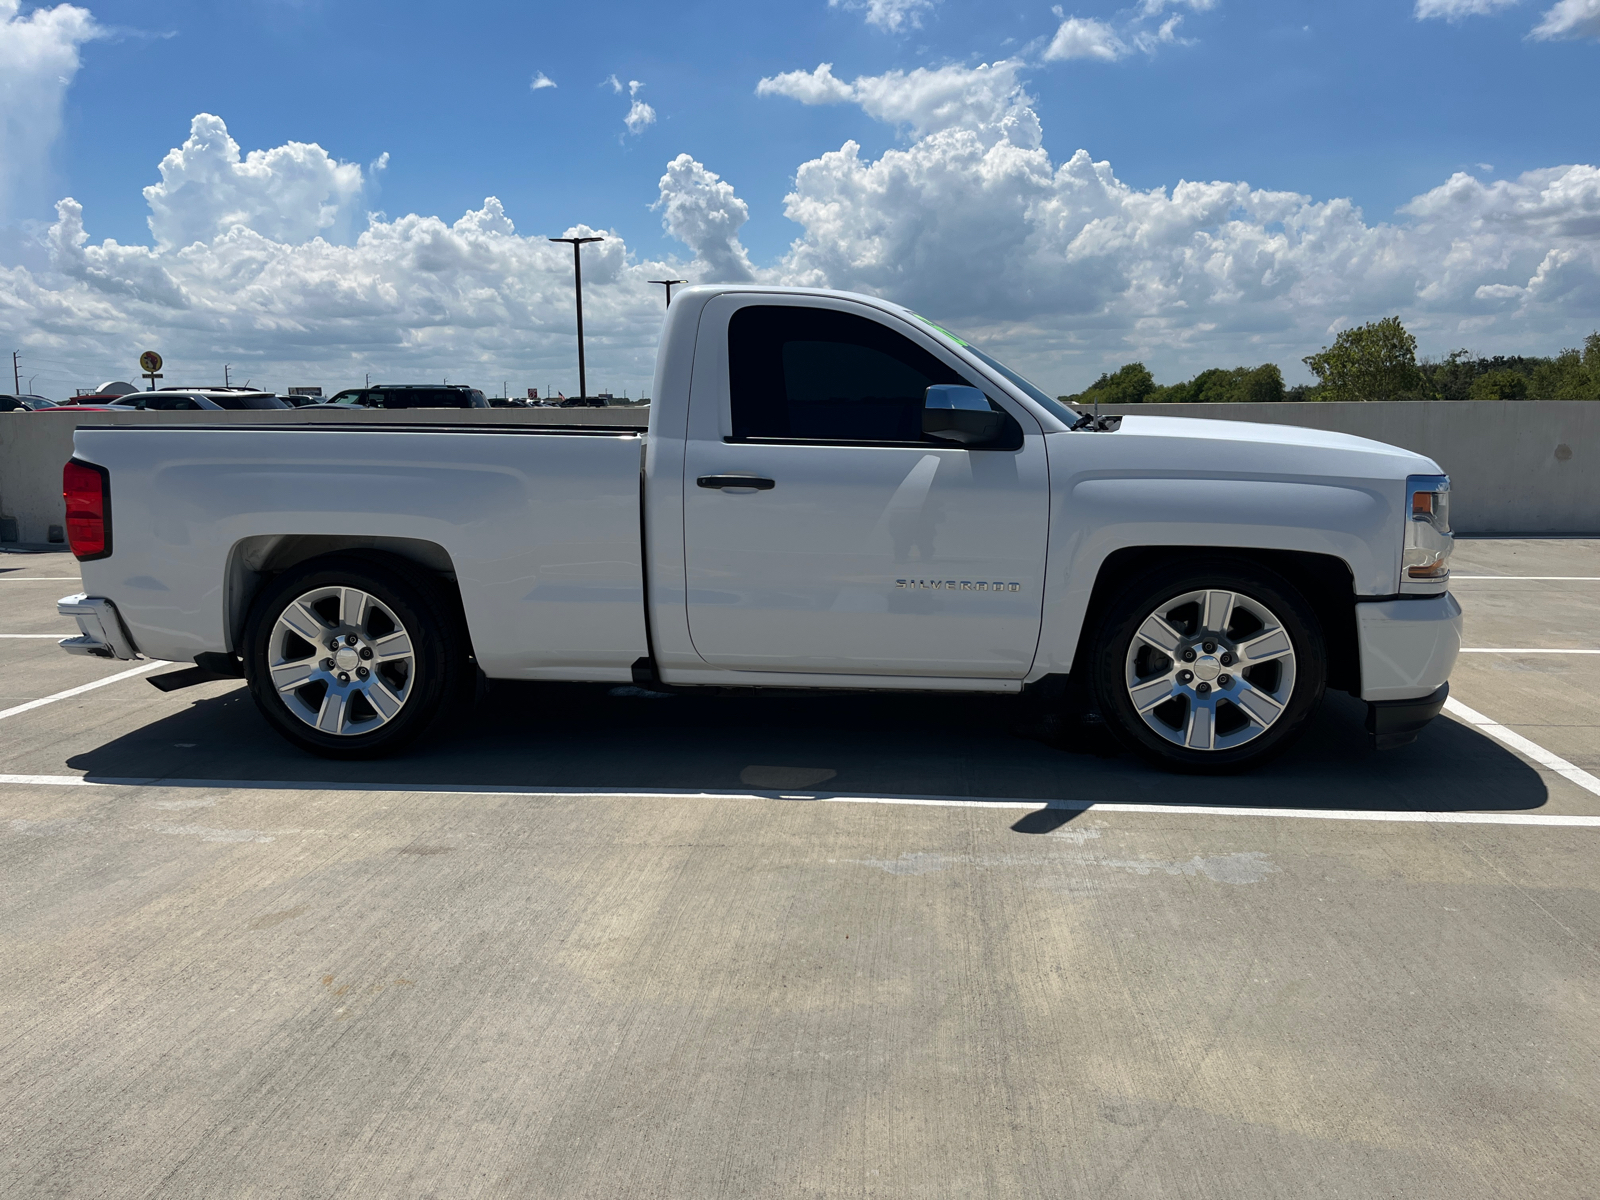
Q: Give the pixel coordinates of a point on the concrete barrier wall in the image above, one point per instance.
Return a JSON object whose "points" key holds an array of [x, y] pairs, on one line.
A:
{"points": [[35, 446], [1514, 466]]}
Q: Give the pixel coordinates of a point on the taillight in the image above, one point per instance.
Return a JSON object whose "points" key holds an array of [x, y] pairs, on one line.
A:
{"points": [[87, 491]]}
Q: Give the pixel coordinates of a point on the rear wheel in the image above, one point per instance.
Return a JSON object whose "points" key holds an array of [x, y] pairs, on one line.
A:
{"points": [[352, 657], [1208, 667]]}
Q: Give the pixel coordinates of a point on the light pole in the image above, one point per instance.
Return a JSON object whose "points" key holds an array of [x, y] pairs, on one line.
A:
{"points": [[577, 284], [667, 283]]}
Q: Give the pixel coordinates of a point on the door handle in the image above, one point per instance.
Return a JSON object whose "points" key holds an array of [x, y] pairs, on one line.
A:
{"points": [[753, 482]]}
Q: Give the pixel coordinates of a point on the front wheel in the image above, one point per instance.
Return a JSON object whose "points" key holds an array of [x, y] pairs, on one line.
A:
{"points": [[1208, 667], [351, 657]]}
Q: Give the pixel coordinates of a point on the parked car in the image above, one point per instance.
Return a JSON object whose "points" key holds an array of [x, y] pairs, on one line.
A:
{"points": [[204, 399], [413, 395], [832, 493], [296, 400], [24, 403]]}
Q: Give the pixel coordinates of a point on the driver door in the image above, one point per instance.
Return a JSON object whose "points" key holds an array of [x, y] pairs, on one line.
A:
{"points": [[875, 550]]}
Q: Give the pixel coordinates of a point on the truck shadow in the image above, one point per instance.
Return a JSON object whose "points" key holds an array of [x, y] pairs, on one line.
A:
{"points": [[600, 737]]}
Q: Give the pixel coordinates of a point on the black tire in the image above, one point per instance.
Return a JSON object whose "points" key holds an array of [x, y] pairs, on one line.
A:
{"points": [[1255, 709], [406, 609]]}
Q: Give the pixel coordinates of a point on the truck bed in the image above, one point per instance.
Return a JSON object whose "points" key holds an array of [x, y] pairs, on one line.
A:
{"points": [[539, 525]]}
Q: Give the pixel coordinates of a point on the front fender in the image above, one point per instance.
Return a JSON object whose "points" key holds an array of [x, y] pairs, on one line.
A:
{"points": [[1095, 516]]}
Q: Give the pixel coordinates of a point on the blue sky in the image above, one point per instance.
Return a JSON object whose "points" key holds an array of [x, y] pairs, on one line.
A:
{"points": [[1355, 99], [1364, 100]]}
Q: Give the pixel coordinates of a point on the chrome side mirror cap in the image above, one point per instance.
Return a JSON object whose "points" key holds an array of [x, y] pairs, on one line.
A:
{"points": [[953, 412]]}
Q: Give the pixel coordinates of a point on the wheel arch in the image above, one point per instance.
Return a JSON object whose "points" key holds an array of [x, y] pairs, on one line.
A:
{"points": [[253, 562], [1325, 580]]}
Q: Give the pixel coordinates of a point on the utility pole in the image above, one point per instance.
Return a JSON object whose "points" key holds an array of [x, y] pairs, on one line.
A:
{"points": [[667, 283], [16, 373], [225, 380], [577, 283]]}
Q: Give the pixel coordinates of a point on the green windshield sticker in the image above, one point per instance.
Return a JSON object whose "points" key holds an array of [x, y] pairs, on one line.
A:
{"points": [[957, 340]]}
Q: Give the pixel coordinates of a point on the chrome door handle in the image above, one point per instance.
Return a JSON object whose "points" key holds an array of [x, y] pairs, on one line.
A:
{"points": [[754, 482]]}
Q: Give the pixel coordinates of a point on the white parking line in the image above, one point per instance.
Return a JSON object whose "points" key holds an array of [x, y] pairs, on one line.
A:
{"points": [[28, 636], [39, 579], [1533, 578], [1522, 745], [1000, 803], [1519, 650], [87, 687]]}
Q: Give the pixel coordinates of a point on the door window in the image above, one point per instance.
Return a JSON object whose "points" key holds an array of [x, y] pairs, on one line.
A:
{"points": [[812, 374]]}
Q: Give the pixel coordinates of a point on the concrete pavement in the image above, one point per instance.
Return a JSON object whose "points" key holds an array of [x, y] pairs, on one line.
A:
{"points": [[356, 981]]}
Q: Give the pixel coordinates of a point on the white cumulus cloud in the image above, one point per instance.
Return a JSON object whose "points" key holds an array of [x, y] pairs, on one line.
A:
{"points": [[1154, 8], [892, 15], [640, 115], [1064, 263], [237, 280], [1570, 19], [1085, 37], [541, 81], [1056, 263], [701, 211], [38, 61], [290, 193], [1454, 10], [988, 99]]}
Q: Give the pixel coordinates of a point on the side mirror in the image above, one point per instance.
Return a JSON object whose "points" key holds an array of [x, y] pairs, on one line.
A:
{"points": [[960, 414]]}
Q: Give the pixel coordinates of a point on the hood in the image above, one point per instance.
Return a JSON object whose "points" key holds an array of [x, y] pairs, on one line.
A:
{"points": [[1298, 447]]}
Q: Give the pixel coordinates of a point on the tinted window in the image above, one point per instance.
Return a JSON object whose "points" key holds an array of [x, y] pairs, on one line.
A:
{"points": [[420, 397], [236, 402], [11, 404], [159, 402], [812, 373]]}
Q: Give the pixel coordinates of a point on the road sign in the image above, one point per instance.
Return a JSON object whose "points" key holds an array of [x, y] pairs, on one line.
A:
{"points": [[149, 361]]}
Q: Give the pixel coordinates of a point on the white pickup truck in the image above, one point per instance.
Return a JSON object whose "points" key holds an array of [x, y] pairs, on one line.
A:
{"points": [[832, 492]]}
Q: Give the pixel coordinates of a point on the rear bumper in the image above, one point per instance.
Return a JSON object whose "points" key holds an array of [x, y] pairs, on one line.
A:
{"points": [[103, 634], [1408, 647], [1397, 722]]}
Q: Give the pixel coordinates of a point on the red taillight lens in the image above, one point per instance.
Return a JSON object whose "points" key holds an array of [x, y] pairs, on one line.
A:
{"points": [[87, 491]]}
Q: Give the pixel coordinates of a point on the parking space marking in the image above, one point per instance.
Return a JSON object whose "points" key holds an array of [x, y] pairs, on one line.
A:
{"points": [[27, 636], [39, 579], [1523, 746], [1520, 650], [87, 687], [1533, 578], [1000, 803]]}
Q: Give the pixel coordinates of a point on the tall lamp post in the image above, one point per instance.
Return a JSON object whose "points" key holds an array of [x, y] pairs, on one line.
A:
{"points": [[667, 283], [577, 283]]}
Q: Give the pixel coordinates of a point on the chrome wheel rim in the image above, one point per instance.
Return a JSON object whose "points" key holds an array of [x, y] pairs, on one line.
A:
{"points": [[1210, 670], [341, 661]]}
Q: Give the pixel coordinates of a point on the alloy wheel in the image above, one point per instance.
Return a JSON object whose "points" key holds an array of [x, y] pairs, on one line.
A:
{"points": [[1210, 670], [341, 660]]}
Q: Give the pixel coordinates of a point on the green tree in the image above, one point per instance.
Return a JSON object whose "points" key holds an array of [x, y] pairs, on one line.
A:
{"points": [[1499, 385], [1376, 361], [1570, 375], [1131, 384]]}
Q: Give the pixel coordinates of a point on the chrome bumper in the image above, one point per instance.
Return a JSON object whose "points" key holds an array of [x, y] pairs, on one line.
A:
{"points": [[103, 633]]}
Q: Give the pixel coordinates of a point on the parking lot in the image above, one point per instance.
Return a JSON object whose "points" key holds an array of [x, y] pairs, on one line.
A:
{"points": [[603, 942]]}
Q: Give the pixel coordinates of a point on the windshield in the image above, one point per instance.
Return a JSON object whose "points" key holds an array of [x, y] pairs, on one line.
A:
{"points": [[1049, 403]]}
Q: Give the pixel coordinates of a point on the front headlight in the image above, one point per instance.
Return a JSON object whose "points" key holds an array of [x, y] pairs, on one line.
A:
{"points": [[1425, 561]]}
